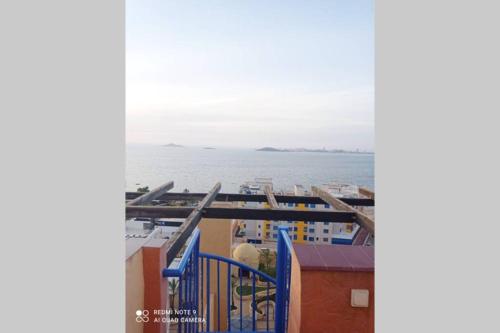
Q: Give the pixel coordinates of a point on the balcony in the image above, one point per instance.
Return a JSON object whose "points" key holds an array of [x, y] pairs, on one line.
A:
{"points": [[317, 288]]}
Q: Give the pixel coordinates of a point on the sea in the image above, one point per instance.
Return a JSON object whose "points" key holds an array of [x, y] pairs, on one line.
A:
{"points": [[198, 169]]}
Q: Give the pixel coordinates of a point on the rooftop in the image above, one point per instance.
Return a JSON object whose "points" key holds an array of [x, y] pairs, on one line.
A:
{"points": [[345, 258]]}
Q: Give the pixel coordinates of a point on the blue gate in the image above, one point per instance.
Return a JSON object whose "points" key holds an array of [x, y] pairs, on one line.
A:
{"points": [[269, 297]]}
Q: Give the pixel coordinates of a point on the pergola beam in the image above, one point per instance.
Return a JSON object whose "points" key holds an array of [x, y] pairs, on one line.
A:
{"points": [[367, 193], [277, 214], [253, 198], [185, 230], [363, 220], [152, 195], [271, 200]]}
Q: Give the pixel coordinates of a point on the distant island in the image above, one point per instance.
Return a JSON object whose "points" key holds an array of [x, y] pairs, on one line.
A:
{"points": [[173, 145], [305, 150], [208, 148]]}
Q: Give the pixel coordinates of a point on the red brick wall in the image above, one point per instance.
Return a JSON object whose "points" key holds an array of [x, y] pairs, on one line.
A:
{"points": [[326, 302]]}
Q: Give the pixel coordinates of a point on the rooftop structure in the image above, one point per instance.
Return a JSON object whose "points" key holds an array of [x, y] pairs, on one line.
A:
{"points": [[306, 231], [229, 295]]}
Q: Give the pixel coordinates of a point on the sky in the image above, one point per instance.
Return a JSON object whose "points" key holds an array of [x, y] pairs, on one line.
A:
{"points": [[239, 73]]}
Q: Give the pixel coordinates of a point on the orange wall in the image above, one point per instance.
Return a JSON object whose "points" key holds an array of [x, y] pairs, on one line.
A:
{"points": [[294, 318], [156, 286], [325, 298], [216, 238]]}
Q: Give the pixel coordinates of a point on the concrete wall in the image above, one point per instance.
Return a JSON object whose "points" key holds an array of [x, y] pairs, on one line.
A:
{"points": [[134, 291]]}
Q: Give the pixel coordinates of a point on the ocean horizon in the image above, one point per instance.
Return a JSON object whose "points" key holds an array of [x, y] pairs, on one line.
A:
{"points": [[198, 169]]}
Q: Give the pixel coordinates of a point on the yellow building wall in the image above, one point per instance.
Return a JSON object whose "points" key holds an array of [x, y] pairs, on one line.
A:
{"points": [[267, 225], [300, 226]]}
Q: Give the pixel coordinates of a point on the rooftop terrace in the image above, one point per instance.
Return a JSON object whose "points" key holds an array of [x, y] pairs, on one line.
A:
{"points": [[209, 275]]}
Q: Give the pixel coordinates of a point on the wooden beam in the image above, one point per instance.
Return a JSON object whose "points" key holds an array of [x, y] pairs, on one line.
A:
{"points": [[277, 214], [253, 198], [186, 229], [367, 193], [363, 220], [271, 200], [152, 195]]}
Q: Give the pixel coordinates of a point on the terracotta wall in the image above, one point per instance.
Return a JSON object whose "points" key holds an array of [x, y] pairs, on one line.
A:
{"points": [[294, 318], [325, 298], [156, 290]]}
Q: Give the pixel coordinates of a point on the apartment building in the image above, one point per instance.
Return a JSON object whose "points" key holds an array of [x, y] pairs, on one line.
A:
{"points": [[301, 232]]}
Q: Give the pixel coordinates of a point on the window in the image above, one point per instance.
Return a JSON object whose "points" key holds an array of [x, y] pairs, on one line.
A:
{"points": [[327, 206], [325, 231], [317, 238], [311, 230], [268, 234], [305, 229], [312, 205], [311, 239], [258, 235], [310, 222], [267, 226], [290, 204], [325, 239], [294, 228], [275, 227], [275, 236], [244, 225], [294, 237], [306, 205], [259, 226], [304, 238]]}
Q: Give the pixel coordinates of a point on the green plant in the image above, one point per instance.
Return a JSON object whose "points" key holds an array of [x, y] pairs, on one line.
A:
{"points": [[271, 271], [267, 258], [247, 290], [233, 285], [173, 285], [144, 189]]}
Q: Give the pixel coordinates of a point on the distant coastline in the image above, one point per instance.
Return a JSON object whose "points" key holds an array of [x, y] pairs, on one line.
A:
{"points": [[305, 150], [173, 145]]}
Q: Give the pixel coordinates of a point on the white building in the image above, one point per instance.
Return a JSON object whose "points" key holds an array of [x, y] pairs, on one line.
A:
{"points": [[300, 231]]}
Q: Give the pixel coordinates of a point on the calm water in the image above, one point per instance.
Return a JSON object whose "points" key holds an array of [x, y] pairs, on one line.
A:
{"points": [[199, 169]]}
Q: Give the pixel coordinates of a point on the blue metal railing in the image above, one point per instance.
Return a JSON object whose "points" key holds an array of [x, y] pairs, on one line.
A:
{"points": [[194, 274], [186, 273], [283, 279], [236, 320]]}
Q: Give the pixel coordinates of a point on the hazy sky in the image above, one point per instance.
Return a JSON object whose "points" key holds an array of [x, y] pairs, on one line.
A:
{"points": [[251, 73]]}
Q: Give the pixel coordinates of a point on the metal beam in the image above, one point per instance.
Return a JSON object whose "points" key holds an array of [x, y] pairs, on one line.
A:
{"points": [[244, 214], [180, 237], [271, 200], [149, 196], [363, 220], [278, 214], [254, 198]]}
